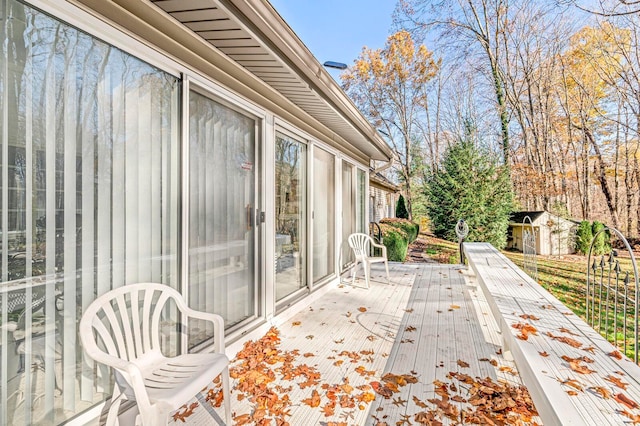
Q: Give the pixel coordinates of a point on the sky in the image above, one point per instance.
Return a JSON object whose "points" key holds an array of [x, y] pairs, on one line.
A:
{"points": [[336, 30]]}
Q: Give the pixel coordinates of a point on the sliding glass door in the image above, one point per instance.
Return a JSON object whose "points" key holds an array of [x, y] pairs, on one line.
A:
{"points": [[324, 215], [89, 202], [223, 202], [290, 216]]}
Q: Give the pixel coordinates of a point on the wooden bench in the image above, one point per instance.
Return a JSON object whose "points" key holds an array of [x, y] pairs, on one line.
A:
{"points": [[552, 383]]}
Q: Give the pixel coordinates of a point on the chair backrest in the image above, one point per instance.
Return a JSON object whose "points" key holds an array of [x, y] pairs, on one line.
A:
{"points": [[125, 322], [360, 244]]}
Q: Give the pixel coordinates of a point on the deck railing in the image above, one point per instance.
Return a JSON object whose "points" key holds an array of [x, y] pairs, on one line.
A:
{"points": [[612, 291], [530, 264]]}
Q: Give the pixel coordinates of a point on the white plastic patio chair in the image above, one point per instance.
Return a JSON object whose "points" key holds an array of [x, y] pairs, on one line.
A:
{"points": [[361, 244], [126, 323]]}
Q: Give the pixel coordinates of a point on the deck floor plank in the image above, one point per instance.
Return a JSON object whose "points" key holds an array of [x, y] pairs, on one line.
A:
{"points": [[425, 320]]}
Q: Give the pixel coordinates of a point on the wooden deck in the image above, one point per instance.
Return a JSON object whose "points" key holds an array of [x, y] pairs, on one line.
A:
{"points": [[425, 323]]}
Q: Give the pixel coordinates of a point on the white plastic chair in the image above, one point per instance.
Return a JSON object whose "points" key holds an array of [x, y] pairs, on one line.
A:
{"points": [[361, 244], [126, 322]]}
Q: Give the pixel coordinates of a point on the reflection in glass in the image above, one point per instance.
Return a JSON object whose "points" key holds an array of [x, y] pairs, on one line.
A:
{"points": [[222, 205], [88, 178], [291, 225], [323, 214]]}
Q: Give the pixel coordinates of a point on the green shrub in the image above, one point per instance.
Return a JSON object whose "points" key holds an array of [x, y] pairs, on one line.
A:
{"points": [[396, 241], [602, 244], [411, 229], [584, 235], [401, 209]]}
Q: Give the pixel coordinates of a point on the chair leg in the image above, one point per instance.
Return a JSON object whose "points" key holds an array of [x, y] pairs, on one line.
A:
{"points": [[353, 273], [112, 414], [366, 266], [226, 390]]}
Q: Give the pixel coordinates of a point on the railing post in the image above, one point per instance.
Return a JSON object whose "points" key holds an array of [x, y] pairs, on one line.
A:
{"points": [[462, 230], [608, 299], [530, 262]]}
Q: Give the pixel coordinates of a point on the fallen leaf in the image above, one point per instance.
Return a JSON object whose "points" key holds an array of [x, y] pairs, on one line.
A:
{"points": [[579, 368], [544, 354], [418, 402], [463, 364], [381, 389], [572, 393], [310, 336], [399, 402], [603, 392], [626, 401], [296, 323], [362, 309], [615, 354], [573, 383], [616, 381], [529, 316], [314, 401], [454, 307], [566, 330], [410, 328]]}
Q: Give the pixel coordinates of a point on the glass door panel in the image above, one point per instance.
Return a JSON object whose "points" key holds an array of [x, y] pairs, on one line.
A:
{"points": [[222, 213], [348, 212], [291, 227], [323, 214]]}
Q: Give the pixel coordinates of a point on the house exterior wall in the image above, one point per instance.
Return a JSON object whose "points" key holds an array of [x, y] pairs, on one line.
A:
{"points": [[381, 204], [174, 173]]}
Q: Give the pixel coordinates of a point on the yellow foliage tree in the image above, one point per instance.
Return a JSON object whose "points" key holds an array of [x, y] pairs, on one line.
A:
{"points": [[389, 85]]}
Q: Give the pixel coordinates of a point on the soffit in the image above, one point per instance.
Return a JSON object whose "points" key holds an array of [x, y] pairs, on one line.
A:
{"points": [[253, 35]]}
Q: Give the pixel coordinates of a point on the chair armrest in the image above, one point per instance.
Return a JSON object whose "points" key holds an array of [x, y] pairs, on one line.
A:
{"points": [[218, 326], [380, 246]]}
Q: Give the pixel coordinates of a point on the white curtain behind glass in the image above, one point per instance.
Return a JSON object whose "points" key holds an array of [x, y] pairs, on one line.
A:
{"points": [[89, 203], [222, 206]]}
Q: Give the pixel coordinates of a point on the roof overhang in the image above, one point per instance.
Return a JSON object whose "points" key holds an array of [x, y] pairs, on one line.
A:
{"points": [[247, 46]]}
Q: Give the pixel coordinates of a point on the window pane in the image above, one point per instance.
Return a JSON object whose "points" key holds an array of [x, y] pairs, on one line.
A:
{"points": [[89, 202], [222, 205], [323, 214], [291, 228], [362, 200]]}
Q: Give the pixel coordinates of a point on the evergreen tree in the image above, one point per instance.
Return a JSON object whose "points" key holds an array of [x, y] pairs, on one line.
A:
{"points": [[470, 185], [401, 209], [584, 236]]}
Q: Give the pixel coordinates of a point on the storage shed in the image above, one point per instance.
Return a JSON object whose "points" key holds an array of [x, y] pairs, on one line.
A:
{"points": [[555, 235]]}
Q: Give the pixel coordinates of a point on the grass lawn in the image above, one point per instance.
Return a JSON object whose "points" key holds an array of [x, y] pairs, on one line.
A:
{"points": [[563, 276]]}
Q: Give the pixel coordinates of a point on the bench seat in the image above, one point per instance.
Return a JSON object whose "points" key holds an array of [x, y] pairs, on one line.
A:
{"points": [[511, 293]]}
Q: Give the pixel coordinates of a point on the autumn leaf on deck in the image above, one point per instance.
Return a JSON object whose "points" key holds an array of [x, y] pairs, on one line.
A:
{"points": [[410, 328], [329, 408], [308, 354], [381, 389], [544, 354], [626, 401], [339, 341], [296, 323], [348, 314], [568, 340], [242, 419], [409, 310], [617, 381], [418, 402], [182, 415], [635, 418], [572, 393], [579, 359], [427, 418], [310, 336], [371, 338], [405, 419], [602, 391], [590, 349], [406, 341], [579, 368], [454, 307], [399, 402], [530, 317], [615, 354], [507, 369], [362, 309], [462, 364], [572, 382], [338, 363], [525, 330], [566, 330]]}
